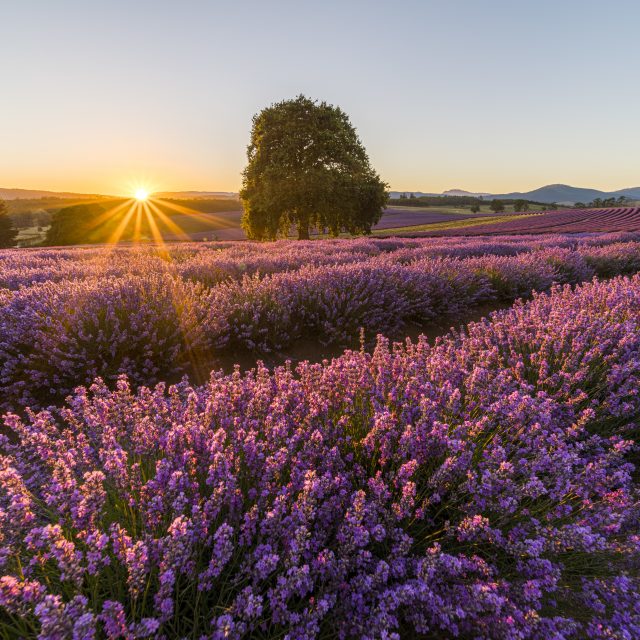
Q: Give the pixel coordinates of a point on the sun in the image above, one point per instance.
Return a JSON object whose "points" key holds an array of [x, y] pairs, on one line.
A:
{"points": [[141, 195]]}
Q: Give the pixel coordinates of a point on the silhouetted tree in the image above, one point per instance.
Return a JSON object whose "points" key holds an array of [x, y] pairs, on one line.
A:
{"points": [[520, 205], [496, 206], [307, 168], [8, 232], [475, 208], [76, 225], [23, 219]]}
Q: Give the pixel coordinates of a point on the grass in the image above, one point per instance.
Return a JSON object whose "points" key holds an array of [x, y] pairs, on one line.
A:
{"points": [[484, 209], [451, 210], [455, 224], [30, 236]]}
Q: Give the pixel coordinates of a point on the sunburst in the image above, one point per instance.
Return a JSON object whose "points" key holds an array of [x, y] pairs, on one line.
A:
{"points": [[146, 218]]}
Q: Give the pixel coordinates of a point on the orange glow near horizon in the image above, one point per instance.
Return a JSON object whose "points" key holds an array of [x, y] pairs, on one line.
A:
{"points": [[144, 218]]}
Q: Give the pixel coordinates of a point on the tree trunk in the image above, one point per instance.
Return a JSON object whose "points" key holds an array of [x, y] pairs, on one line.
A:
{"points": [[303, 231]]}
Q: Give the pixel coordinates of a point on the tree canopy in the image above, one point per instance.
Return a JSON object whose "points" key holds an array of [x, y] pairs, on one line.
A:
{"points": [[308, 169], [75, 225], [8, 232]]}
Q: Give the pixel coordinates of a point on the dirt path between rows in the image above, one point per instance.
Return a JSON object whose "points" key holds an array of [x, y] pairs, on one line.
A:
{"points": [[313, 351]]}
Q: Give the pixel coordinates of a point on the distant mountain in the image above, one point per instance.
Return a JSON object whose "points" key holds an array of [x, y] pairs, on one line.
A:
{"points": [[562, 194], [462, 192], [631, 192], [33, 194], [566, 194]]}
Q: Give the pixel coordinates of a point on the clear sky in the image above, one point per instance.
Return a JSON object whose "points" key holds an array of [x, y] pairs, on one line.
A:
{"points": [[495, 95]]}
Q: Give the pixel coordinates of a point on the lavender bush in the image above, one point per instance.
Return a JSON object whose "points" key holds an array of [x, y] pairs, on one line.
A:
{"points": [[55, 336], [67, 316], [482, 487], [216, 262]]}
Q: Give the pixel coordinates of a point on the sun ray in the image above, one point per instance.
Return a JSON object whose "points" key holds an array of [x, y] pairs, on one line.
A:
{"points": [[155, 232], [138, 225], [108, 215], [208, 217], [168, 221], [199, 364], [133, 218], [117, 234]]}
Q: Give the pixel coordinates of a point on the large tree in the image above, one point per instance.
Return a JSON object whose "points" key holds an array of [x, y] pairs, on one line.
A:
{"points": [[8, 232], [307, 168]]}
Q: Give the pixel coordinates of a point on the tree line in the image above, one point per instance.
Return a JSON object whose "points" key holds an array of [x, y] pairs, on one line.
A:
{"points": [[411, 200], [598, 203], [8, 230], [473, 202]]}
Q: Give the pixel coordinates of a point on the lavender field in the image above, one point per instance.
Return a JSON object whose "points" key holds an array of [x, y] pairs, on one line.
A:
{"points": [[480, 485], [561, 221]]}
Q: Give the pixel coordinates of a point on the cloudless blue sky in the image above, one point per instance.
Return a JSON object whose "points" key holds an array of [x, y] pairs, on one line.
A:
{"points": [[488, 95]]}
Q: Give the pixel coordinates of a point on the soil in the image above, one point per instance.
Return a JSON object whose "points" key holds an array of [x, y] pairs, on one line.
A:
{"points": [[311, 350]]}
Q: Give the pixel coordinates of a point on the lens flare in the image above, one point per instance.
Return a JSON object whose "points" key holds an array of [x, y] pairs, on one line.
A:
{"points": [[141, 195]]}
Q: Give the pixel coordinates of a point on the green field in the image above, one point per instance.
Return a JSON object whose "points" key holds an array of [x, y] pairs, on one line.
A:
{"points": [[484, 209], [452, 224], [30, 236]]}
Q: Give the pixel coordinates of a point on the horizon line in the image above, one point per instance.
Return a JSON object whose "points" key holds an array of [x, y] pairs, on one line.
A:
{"points": [[235, 192]]}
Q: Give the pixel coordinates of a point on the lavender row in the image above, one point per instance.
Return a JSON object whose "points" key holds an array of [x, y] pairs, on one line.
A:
{"points": [[157, 326], [212, 263], [621, 219], [482, 488]]}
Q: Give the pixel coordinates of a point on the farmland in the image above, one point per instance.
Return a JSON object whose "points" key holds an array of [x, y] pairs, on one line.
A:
{"points": [[375, 491], [481, 485], [70, 315], [202, 219], [319, 321], [560, 221]]}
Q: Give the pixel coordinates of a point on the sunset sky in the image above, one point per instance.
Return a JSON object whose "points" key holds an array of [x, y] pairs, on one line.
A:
{"points": [[102, 96]]}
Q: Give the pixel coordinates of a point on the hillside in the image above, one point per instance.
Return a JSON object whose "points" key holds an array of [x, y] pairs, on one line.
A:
{"points": [[36, 194], [563, 194], [566, 194]]}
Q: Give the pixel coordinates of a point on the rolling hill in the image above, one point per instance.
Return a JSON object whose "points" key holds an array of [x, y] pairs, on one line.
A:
{"points": [[35, 194], [562, 194], [566, 194]]}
